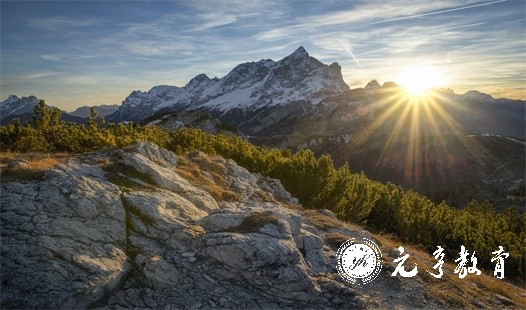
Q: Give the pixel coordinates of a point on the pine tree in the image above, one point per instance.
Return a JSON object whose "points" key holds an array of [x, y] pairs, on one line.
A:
{"points": [[42, 115]]}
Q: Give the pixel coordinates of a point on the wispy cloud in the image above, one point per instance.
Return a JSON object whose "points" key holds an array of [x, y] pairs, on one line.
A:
{"points": [[60, 22], [38, 75], [465, 7], [360, 15], [217, 19], [52, 57]]}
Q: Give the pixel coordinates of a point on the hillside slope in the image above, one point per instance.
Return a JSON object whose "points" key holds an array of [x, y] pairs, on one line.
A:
{"points": [[142, 227]]}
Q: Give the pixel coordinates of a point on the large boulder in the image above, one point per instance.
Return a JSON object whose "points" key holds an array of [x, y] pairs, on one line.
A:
{"points": [[63, 239]]}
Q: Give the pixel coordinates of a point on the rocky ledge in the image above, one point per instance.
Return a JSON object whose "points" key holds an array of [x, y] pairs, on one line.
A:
{"points": [[142, 227]]}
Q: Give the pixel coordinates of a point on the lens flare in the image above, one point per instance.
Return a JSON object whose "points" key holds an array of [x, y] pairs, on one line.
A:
{"points": [[418, 80]]}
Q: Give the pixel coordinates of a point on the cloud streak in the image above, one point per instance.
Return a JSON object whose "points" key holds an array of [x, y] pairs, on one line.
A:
{"points": [[59, 22], [436, 12], [346, 45]]}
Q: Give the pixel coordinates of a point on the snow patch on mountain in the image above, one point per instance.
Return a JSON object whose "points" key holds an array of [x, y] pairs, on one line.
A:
{"points": [[248, 87], [14, 105]]}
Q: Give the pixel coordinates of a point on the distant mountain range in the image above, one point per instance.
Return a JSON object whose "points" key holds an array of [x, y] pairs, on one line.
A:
{"points": [[22, 108], [450, 146], [102, 110]]}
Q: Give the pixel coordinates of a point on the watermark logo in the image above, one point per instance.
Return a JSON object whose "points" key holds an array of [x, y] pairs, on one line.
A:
{"points": [[359, 261]]}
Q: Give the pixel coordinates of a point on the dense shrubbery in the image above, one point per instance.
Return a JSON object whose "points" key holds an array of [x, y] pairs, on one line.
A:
{"points": [[315, 181], [48, 134]]}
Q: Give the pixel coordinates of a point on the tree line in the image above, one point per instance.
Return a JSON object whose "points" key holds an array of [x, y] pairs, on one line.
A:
{"points": [[47, 133]]}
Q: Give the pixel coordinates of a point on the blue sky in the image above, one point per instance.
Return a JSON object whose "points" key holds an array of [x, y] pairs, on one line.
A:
{"points": [[74, 53]]}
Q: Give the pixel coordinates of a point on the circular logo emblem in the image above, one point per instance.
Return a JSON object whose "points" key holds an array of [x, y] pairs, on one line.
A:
{"points": [[359, 262]]}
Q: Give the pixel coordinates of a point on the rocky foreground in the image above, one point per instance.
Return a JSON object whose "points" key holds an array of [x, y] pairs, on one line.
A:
{"points": [[142, 227]]}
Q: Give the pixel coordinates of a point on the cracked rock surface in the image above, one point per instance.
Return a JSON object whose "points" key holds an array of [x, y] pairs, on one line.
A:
{"points": [[124, 229]]}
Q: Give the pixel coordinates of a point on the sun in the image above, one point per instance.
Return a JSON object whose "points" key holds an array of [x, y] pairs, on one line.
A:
{"points": [[418, 80]]}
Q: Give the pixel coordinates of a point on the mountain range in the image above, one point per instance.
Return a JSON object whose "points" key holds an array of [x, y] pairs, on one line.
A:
{"points": [[22, 108], [449, 146], [257, 96], [252, 97]]}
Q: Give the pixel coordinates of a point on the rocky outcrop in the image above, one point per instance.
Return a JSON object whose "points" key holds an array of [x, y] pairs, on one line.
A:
{"points": [[63, 239], [124, 228]]}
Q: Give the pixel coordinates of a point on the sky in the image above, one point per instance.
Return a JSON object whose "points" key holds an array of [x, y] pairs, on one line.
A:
{"points": [[74, 53]]}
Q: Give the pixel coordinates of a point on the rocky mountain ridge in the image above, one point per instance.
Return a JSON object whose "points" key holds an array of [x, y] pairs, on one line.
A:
{"points": [[257, 97], [141, 227], [14, 105], [252, 96]]}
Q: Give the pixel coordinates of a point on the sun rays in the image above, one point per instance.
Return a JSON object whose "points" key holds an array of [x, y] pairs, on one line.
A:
{"points": [[420, 134]]}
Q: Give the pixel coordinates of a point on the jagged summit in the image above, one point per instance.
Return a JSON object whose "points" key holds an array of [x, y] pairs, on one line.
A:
{"points": [[11, 98], [299, 53], [198, 79]]}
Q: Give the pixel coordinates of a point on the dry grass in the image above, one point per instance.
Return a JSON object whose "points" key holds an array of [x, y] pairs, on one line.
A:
{"points": [[264, 196], [209, 164], [321, 221], [292, 206], [33, 165], [204, 173], [190, 172], [502, 288]]}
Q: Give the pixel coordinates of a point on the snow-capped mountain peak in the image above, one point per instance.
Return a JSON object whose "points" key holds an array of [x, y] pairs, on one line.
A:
{"points": [[198, 80], [248, 89], [14, 105], [10, 99]]}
